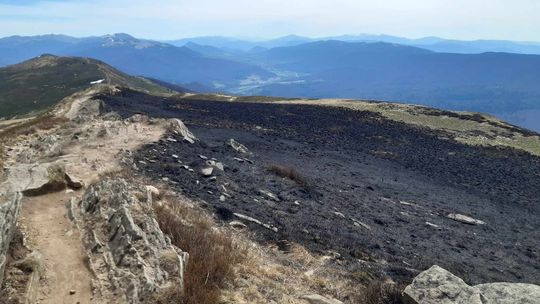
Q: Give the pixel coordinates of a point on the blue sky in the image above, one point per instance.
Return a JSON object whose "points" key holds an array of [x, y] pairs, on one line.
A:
{"points": [[165, 19]]}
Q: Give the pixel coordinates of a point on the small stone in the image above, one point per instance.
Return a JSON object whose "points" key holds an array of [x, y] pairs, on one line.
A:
{"points": [[203, 157], [433, 225], [269, 195], [219, 166], [72, 292], [318, 299], [222, 198], [465, 219], [174, 156], [339, 214], [207, 171], [237, 225], [238, 146]]}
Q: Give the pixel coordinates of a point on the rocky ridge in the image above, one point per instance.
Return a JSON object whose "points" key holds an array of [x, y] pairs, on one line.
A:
{"points": [[128, 259]]}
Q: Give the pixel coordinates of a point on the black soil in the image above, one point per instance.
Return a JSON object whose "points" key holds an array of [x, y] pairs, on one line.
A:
{"points": [[374, 188]]}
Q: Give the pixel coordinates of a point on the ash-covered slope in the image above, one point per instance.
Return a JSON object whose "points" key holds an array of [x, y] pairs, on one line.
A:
{"points": [[377, 191], [39, 83]]}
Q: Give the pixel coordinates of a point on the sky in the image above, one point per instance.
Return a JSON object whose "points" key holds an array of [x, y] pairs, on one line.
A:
{"points": [[167, 19]]}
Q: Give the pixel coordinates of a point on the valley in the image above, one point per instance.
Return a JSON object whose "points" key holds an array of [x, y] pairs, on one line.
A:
{"points": [[492, 80]]}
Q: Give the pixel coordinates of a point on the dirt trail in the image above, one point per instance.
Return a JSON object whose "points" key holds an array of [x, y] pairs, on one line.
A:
{"points": [[67, 277], [53, 235]]}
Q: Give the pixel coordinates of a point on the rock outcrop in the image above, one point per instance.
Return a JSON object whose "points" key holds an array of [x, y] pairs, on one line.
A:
{"points": [[10, 206], [438, 286], [124, 238]]}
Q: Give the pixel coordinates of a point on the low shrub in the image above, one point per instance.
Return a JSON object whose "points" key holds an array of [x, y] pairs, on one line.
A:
{"points": [[212, 253], [380, 292], [288, 172]]}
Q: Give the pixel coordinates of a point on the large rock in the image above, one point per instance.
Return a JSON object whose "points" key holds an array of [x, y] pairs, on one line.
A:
{"points": [[178, 127], [438, 286], [37, 179], [10, 206], [122, 236], [509, 293]]}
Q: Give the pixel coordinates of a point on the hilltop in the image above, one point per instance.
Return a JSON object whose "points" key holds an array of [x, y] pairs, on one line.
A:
{"points": [[129, 192], [39, 83]]}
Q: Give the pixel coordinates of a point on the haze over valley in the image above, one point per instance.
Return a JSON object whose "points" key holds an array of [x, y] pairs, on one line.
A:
{"points": [[481, 76]]}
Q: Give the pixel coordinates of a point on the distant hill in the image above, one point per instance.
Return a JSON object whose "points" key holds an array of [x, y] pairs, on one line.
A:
{"points": [[39, 83], [137, 57], [348, 67], [430, 43], [235, 45], [488, 82]]}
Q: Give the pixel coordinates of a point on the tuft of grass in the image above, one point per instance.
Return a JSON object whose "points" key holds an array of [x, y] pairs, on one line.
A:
{"points": [[288, 172], [212, 253], [379, 292]]}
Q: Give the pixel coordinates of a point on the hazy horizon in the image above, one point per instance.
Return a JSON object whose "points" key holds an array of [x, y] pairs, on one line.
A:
{"points": [[262, 39], [168, 20]]}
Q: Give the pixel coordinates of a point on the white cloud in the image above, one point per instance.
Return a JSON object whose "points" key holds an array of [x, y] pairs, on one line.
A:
{"points": [[162, 19]]}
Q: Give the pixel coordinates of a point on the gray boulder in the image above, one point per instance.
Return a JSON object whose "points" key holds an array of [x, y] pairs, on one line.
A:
{"points": [[509, 293], [438, 286], [37, 179]]}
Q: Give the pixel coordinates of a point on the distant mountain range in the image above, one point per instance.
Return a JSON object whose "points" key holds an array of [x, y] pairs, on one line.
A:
{"points": [[363, 67], [135, 56], [435, 44]]}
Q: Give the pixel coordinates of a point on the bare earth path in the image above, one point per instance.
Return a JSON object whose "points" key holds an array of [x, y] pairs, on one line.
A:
{"points": [[52, 233], [66, 277]]}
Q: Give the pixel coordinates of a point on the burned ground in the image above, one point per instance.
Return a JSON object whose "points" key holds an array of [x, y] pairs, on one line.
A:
{"points": [[374, 189]]}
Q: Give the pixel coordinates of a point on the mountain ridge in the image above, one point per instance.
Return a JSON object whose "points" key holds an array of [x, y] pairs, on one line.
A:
{"points": [[36, 84]]}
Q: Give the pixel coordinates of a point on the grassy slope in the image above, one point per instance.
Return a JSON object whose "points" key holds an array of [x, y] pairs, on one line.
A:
{"points": [[39, 83]]}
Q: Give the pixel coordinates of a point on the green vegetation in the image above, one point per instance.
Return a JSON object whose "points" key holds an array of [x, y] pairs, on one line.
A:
{"points": [[37, 84]]}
